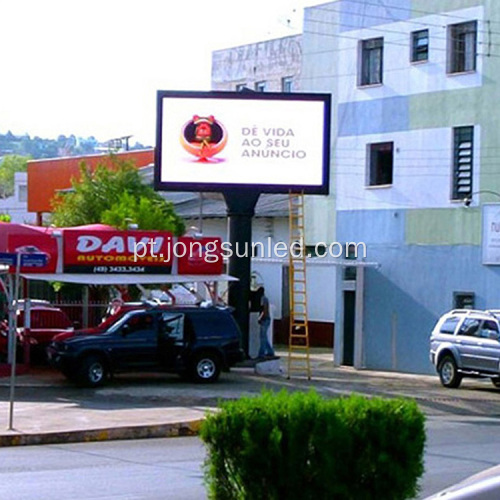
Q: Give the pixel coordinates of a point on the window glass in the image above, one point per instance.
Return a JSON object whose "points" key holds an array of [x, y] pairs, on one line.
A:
{"points": [[23, 193], [286, 84], [464, 300], [371, 61], [489, 330], [449, 326], [172, 325], [140, 322], [462, 51], [260, 87], [380, 164], [470, 327], [420, 46], [463, 149]]}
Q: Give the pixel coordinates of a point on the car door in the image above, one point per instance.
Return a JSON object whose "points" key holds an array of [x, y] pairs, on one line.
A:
{"points": [[467, 343], [488, 353], [136, 342], [170, 338]]}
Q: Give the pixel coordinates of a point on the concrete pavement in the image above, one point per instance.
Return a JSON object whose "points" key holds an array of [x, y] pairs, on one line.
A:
{"points": [[49, 409]]}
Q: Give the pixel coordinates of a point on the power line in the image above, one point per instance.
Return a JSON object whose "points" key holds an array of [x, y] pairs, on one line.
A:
{"points": [[406, 21], [398, 32], [409, 10], [335, 35]]}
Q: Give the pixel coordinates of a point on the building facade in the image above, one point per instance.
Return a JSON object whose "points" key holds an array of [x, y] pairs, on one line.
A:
{"points": [[267, 66], [16, 206], [415, 134], [275, 66]]}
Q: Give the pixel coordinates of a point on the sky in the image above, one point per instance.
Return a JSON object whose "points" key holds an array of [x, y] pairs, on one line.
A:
{"points": [[93, 67]]}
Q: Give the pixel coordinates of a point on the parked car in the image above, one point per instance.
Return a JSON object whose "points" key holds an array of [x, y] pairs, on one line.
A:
{"points": [[465, 343], [482, 486], [192, 341], [46, 322]]}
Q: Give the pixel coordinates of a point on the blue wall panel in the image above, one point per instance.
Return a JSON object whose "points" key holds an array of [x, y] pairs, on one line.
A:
{"points": [[413, 286], [374, 227], [375, 116], [356, 14]]}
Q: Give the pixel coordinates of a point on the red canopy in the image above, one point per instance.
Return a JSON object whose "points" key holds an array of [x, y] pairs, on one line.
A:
{"points": [[101, 249]]}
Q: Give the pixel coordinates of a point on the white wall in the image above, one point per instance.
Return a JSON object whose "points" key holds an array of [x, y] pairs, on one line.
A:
{"points": [[423, 162], [400, 77], [14, 206]]}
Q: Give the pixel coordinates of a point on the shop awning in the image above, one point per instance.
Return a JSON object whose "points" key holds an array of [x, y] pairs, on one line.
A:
{"points": [[129, 279]]}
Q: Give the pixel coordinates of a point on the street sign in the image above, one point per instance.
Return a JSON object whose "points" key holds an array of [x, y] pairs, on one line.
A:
{"points": [[7, 259], [33, 259], [27, 259]]}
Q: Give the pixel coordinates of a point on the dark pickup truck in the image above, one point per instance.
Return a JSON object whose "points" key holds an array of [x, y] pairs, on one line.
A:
{"points": [[194, 342]]}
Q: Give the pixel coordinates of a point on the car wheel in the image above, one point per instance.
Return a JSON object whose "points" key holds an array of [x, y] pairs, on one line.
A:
{"points": [[448, 372], [205, 368], [496, 381], [92, 372]]}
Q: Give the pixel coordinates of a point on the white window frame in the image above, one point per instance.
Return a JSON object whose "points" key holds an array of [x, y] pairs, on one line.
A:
{"points": [[462, 47], [415, 38], [371, 69]]}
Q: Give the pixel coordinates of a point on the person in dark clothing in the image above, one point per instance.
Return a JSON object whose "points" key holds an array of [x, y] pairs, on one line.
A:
{"points": [[265, 349]]}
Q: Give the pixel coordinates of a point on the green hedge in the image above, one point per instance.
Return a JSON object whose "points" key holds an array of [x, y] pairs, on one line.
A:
{"points": [[302, 446]]}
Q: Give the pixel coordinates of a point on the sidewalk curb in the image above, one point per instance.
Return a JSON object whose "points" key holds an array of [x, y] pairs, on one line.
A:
{"points": [[176, 429]]}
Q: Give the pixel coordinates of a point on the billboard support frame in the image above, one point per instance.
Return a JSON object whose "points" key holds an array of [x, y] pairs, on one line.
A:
{"points": [[240, 211], [242, 193]]}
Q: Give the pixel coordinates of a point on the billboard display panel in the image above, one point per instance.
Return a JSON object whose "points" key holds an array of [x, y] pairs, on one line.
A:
{"points": [[218, 141]]}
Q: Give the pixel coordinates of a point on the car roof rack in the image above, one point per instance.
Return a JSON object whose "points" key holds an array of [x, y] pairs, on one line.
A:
{"points": [[467, 312]]}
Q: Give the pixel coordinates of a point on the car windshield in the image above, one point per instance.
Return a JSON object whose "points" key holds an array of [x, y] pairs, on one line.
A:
{"points": [[108, 321]]}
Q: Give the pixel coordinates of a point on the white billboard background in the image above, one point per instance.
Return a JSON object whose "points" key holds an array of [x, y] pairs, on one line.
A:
{"points": [[257, 130], [491, 234]]}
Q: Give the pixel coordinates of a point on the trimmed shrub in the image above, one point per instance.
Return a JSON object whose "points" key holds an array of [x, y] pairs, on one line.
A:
{"points": [[302, 446]]}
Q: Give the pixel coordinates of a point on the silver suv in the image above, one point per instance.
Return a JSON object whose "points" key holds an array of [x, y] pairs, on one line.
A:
{"points": [[465, 343]]}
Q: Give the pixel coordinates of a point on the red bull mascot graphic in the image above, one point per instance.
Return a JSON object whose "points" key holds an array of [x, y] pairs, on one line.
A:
{"points": [[204, 137]]}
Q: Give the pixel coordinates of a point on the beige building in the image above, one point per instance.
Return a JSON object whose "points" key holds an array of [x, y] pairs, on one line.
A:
{"points": [[269, 66]]}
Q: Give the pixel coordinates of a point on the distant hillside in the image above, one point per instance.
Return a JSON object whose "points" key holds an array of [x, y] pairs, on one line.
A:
{"points": [[36, 147]]}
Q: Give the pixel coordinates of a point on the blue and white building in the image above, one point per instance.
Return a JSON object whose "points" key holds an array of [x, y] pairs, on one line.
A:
{"points": [[415, 85]]}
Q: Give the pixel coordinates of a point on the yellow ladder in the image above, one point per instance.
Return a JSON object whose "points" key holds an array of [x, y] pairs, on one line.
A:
{"points": [[298, 340]]}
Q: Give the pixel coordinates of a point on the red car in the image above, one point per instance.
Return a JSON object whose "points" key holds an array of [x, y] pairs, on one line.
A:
{"points": [[46, 321]]}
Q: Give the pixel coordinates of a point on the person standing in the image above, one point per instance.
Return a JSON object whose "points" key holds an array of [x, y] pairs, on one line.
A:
{"points": [[265, 349]]}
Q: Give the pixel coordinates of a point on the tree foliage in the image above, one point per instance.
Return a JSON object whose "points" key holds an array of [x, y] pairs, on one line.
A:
{"points": [[114, 195], [9, 165]]}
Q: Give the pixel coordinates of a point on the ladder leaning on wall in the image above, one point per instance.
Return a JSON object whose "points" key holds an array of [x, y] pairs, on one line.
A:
{"points": [[298, 341]]}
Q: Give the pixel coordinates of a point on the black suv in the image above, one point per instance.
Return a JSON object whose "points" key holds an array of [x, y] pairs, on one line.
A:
{"points": [[192, 341]]}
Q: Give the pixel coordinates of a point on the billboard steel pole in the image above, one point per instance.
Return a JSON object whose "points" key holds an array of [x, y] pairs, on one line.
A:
{"points": [[240, 210]]}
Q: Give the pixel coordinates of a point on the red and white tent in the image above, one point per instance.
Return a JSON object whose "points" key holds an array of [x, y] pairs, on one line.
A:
{"points": [[102, 255]]}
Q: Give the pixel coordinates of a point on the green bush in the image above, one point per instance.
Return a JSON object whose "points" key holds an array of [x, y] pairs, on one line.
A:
{"points": [[302, 446]]}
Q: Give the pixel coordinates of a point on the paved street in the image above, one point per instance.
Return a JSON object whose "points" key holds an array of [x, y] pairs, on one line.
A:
{"points": [[463, 428], [473, 398], [155, 469], [152, 469]]}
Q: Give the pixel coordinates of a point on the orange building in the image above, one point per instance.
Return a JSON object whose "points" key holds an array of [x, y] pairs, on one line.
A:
{"points": [[47, 176]]}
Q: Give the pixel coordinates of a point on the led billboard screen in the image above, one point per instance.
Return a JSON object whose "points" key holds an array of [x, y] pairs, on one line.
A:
{"points": [[217, 141]]}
